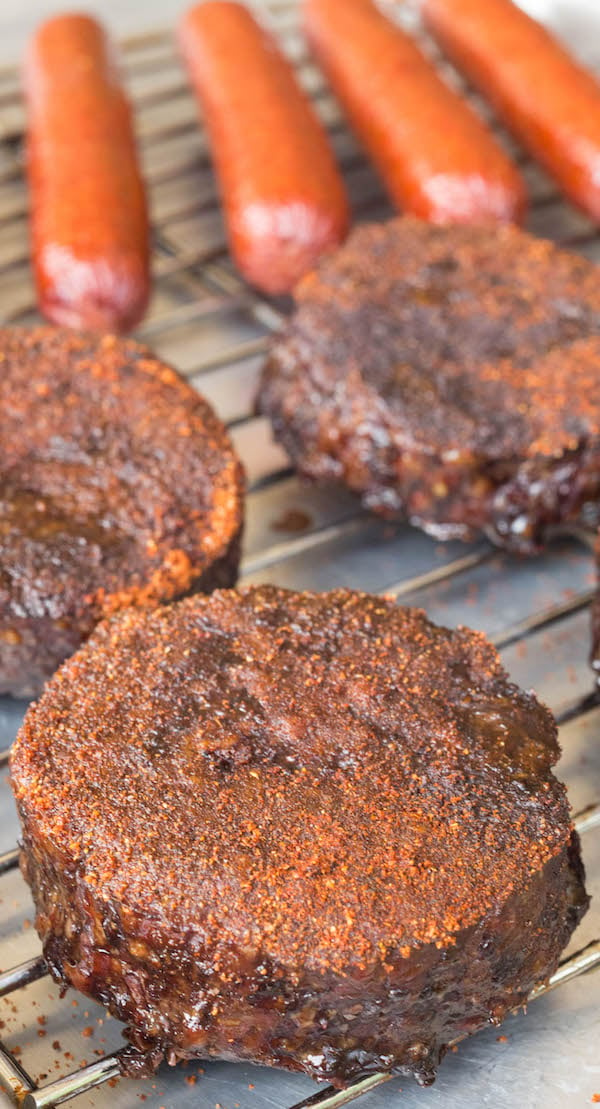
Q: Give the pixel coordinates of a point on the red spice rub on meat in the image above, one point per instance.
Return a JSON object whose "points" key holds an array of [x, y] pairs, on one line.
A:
{"points": [[313, 831], [118, 486], [448, 375]]}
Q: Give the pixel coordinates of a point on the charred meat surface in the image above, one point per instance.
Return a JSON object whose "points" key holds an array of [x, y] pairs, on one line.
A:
{"points": [[118, 486], [447, 375], [313, 831]]}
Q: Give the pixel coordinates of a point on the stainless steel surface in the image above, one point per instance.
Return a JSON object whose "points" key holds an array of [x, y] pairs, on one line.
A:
{"points": [[22, 975], [65, 1089], [215, 330]]}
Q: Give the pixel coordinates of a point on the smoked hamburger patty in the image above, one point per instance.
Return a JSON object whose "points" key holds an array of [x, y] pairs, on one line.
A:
{"points": [[448, 375], [118, 486], [312, 831]]}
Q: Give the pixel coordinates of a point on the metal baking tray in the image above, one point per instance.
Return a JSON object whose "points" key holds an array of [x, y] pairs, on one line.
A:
{"points": [[210, 325]]}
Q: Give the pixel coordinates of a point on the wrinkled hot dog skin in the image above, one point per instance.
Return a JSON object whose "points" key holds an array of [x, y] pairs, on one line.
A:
{"points": [[283, 197], [549, 101], [89, 221], [436, 156]]}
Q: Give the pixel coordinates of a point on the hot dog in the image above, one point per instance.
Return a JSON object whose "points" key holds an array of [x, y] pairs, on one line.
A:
{"points": [[89, 224], [437, 158], [283, 197], [550, 102]]}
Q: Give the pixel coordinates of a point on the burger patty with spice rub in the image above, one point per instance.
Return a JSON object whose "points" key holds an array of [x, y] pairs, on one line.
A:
{"points": [[312, 831], [118, 486], [448, 375]]}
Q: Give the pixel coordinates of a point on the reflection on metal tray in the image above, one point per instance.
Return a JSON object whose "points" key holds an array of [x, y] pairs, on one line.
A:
{"points": [[210, 325]]}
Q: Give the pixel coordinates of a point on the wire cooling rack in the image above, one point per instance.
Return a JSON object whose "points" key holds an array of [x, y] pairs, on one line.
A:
{"points": [[209, 324]]}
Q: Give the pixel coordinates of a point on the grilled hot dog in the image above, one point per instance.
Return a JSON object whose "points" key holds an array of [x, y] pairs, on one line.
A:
{"points": [[89, 225], [284, 200], [437, 158], [550, 102]]}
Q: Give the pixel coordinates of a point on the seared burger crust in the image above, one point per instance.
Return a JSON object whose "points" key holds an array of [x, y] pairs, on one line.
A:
{"points": [[118, 486], [313, 831], [446, 374]]}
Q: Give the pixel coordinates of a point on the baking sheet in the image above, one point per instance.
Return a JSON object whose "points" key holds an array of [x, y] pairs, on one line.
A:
{"points": [[215, 330]]}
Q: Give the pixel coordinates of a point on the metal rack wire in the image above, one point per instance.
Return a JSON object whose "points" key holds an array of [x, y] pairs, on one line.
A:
{"points": [[206, 321]]}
